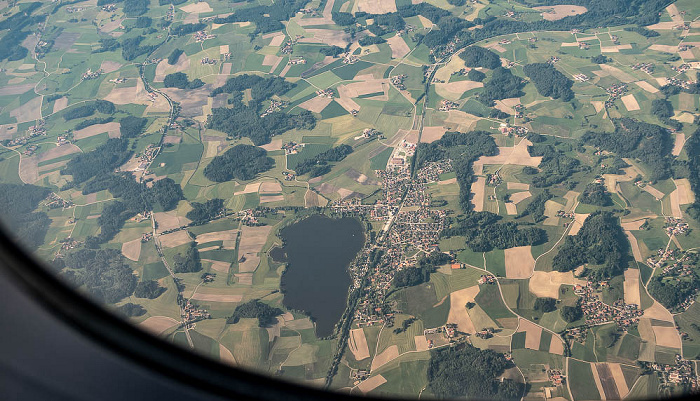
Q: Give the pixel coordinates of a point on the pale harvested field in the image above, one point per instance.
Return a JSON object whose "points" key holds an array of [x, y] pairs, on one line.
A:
{"points": [[109, 66], [226, 356], [135, 94], [299, 324], [678, 144], [598, 106], [462, 121], [228, 235], [630, 102], [201, 7], [647, 86], [271, 60], [533, 333], [685, 194], [175, 239], [598, 383], [458, 312], [327, 36], [511, 209], [615, 49], [399, 48], [163, 68], [277, 40], [58, 151], [30, 111], [551, 208], [270, 187], [635, 247], [221, 267], [445, 72], [347, 103], [358, 344], [553, 13], [15, 89], [556, 346], [385, 356], [249, 189], [658, 312], [271, 198], [664, 48], [617, 73], [676, 204], [569, 44], [132, 249], [576, 225], [421, 343], [517, 155], [275, 144], [158, 324], [520, 196], [452, 180], [218, 297], [675, 15], [375, 6], [654, 192], [519, 262], [667, 337], [619, 377], [169, 220], [111, 26], [112, 129], [356, 89], [29, 169], [518, 186], [631, 287], [316, 104], [250, 245], [245, 278], [547, 284], [371, 383], [223, 49], [60, 104], [454, 90], [432, 134], [478, 187]]}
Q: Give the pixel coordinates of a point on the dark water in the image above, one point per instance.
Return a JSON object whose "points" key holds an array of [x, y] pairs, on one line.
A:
{"points": [[319, 250]]}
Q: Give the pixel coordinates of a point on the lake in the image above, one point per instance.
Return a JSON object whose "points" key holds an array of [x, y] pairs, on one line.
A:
{"points": [[318, 251]]}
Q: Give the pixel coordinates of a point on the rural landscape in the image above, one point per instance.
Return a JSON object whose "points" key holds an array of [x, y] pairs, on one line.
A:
{"points": [[482, 199]]}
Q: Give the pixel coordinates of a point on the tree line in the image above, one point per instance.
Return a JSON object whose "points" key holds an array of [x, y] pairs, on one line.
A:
{"points": [[18, 203], [318, 165]]}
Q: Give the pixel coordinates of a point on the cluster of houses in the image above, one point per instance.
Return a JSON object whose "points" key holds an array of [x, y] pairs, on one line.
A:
{"points": [[328, 93], [192, 313], [681, 266], [296, 60], [597, 312], [581, 77], [292, 147], [350, 59], [53, 201], [288, 176], [90, 74], [207, 60], [615, 91], [645, 67], [507, 129], [201, 36], [447, 105], [399, 158], [682, 373], [145, 158], [556, 377], [397, 81], [275, 105], [119, 80], [681, 68], [106, 7], [675, 226], [145, 237]]}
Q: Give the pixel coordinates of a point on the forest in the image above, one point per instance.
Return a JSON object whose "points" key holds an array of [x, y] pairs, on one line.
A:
{"points": [[131, 48], [104, 273], [185, 29], [131, 127], [463, 149], [502, 85], [189, 262], [266, 18], [181, 81], [555, 166], [242, 162], [466, 371], [17, 205], [174, 56], [483, 232], [475, 56], [549, 81], [600, 241], [595, 194], [243, 120], [318, 165], [420, 273], [148, 289], [535, 208], [673, 292], [203, 212], [102, 160], [692, 149], [88, 109], [649, 143], [265, 313]]}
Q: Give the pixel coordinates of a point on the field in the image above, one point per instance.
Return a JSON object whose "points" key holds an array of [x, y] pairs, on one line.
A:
{"points": [[194, 132]]}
